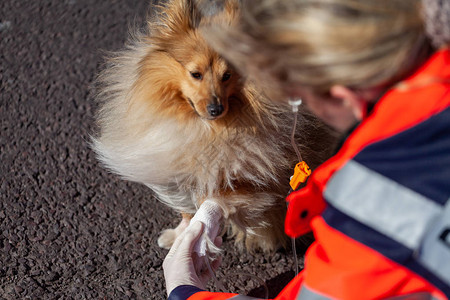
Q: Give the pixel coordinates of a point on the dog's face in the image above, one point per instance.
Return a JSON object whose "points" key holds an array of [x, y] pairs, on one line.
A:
{"points": [[207, 82], [204, 79]]}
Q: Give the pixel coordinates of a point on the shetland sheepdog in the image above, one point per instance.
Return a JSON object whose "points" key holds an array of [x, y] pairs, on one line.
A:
{"points": [[175, 116]]}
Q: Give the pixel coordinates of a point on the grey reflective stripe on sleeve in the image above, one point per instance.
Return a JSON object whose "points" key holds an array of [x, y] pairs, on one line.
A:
{"points": [[396, 211], [381, 203], [308, 294], [415, 296], [435, 250], [242, 297]]}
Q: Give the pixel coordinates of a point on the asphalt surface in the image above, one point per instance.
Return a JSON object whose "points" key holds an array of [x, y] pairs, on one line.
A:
{"points": [[68, 228]]}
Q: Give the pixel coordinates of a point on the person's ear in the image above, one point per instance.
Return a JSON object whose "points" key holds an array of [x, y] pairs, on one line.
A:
{"points": [[349, 98]]}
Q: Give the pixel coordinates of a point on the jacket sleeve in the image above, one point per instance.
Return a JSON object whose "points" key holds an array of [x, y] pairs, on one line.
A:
{"points": [[190, 292], [338, 267], [183, 292], [187, 292]]}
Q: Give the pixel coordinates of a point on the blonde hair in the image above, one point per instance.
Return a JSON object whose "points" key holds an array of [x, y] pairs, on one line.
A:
{"points": [[319, 43]]}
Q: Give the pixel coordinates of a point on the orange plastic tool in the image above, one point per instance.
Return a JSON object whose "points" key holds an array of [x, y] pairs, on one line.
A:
{"points": [[301, 173]]}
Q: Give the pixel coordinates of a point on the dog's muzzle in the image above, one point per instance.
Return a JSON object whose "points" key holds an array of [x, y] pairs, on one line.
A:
{"points": [[215, 110]]}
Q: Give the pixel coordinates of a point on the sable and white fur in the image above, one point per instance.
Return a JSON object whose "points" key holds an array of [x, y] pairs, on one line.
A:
{"points": [[154, 128]]}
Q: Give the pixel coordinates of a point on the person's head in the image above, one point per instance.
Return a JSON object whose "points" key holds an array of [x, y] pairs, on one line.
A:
{"points": [[337, 55]]}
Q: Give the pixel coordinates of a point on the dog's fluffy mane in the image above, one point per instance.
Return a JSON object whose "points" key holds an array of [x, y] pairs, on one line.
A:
{"points": [[149, 134]]}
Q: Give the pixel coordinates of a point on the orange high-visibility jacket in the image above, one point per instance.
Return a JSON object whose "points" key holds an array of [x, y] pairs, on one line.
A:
{"points": [[379, 208]]}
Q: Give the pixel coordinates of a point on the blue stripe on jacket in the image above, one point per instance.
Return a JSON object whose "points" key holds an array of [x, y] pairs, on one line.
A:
{"points": [[411, 168], [418, 158], [381, 243], [183, 292]]}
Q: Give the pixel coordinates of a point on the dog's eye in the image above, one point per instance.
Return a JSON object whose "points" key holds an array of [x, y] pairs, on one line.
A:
{"points": [[226, 76], [197, 75]]}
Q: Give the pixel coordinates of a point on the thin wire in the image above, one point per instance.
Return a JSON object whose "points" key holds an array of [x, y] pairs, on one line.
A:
{"points": [[295, 104], [294, 250], [293, 143]]}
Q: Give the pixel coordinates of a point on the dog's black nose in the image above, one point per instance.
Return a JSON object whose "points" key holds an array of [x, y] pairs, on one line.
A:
{"points": [[215, 110]]}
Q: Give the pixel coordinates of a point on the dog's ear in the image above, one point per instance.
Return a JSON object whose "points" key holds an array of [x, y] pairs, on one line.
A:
{"points": [[174, 16], [219, 12]]}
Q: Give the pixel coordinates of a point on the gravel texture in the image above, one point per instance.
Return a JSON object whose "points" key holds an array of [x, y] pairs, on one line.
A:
{"points": [[68, 228]]}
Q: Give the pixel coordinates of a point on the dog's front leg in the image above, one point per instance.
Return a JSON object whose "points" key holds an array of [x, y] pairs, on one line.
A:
{"points": [[168, 236]]}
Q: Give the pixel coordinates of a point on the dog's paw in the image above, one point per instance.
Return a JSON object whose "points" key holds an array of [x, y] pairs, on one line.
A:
{"points": [[167, 238]]}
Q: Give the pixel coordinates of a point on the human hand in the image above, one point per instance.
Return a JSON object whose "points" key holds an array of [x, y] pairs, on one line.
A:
{"points": [[179, 264]]}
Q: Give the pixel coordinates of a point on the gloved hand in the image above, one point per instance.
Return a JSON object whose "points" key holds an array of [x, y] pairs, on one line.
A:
{"points": [[179, 264]]}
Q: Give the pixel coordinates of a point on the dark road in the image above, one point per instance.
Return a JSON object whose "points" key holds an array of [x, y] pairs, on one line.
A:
{"points": [[68, 228]]}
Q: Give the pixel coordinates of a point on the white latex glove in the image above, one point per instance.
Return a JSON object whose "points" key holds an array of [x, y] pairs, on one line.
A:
{"points": [[179, 264]]}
